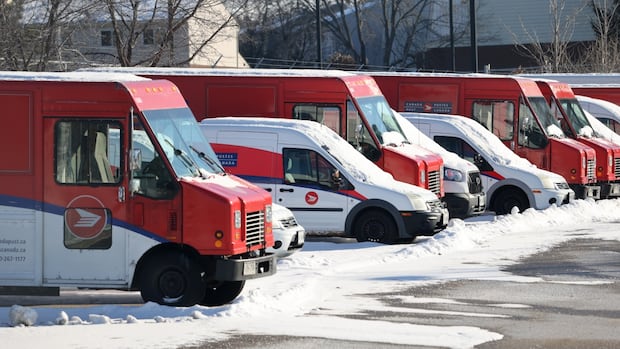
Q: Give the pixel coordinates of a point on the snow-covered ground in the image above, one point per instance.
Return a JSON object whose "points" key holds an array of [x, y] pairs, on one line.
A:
{"points": [[314, 287]]}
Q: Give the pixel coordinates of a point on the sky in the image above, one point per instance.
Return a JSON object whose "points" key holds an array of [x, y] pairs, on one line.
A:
{"points": [[327, 280]]}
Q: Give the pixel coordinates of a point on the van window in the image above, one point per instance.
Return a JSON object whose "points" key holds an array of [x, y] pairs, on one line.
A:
{"points": [[88, 152], [326, 115], [304, 166], [612, 124], [359, 136], [496, 116], [154, 178], [464, 150], [530, 133]]}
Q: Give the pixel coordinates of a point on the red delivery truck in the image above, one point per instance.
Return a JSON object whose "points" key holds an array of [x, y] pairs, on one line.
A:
{"points": [[575, 124], [511, 107], [351, 105], [601, 86], [106, 181]]}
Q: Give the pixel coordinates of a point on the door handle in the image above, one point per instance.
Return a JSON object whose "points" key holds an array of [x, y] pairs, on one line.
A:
{"points": [[290, 190]]}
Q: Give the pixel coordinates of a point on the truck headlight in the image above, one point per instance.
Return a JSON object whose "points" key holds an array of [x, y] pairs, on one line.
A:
{"points": [[268, 213], [450, 174], [237, 219]]}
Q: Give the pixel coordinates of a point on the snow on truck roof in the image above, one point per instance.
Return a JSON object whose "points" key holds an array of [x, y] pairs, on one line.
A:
{"points": [[69, 76], [225, 71]]}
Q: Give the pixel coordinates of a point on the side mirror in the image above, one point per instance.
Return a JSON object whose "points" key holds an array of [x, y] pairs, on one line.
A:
{"points": [[134, 186], [135, 159]]}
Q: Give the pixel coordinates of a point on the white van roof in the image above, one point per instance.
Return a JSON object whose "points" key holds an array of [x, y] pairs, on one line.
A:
{"points": [[313, 132], [488, 143]]}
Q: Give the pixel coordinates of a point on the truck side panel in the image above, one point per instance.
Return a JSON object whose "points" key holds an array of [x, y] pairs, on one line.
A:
{"points": [[240, 100], [20, 202]]}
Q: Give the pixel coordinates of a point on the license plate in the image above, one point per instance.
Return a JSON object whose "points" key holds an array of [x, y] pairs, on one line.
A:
{"points": [[249, 268], [300, 237]]}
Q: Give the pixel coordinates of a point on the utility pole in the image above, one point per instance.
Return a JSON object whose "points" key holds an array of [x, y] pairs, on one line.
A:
{"points": [[472, 28], [319, 55], [452, 49]]}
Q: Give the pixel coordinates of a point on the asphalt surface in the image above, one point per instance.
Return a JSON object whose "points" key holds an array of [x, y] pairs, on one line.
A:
{"points": [[575, 304], [572, 302]]}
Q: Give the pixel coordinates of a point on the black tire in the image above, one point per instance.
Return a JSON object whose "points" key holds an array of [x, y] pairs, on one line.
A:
{"points": [[172, 278], [222, 292], [376, 226], [509, 198]]}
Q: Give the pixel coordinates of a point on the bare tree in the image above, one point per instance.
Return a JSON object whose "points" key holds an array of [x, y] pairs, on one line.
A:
{"points": [[554, 55], [278, 29], [33, 33], [167, 24], [346, 20], [604, 54], [403, 21]]}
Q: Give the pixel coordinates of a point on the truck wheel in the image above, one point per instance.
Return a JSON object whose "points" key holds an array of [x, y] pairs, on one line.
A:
{"points": [[222, 292], [509, 198], [172, 279], [376, 226]]}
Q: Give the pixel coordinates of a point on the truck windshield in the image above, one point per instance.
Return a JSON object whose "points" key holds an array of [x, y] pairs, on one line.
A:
{"points": [[577, 117], [547, 120], [382, 121], [184, 144]]}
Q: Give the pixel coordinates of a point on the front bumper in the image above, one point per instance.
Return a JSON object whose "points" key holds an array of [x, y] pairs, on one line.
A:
{"points": [[425, 222], [245, 269], [463, 205]]}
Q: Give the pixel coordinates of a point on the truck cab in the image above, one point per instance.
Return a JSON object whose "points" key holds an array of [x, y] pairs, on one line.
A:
{"points": [[574, 123], [110, 184]]}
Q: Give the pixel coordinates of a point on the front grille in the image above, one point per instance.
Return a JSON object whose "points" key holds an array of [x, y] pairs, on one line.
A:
{"points": [[435, 205], [434, 182], [254, 228], [591, 170], [617, 167], [289, 222], [474, 182]]}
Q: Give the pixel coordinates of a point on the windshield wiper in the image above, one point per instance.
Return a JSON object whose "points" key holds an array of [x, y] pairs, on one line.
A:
{"points": [[207, 159], [186, 160]]}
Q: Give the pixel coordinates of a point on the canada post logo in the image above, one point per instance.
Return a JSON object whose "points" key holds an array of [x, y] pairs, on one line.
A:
{"points": [[227, 159], [85, 217]]}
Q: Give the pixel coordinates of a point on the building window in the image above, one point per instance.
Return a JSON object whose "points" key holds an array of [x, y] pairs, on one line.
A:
{"points": [[106, 38], [148, 37]]}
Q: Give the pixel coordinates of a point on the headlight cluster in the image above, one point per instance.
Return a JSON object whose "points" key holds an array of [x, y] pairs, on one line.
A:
{"points": [[450, 174]]}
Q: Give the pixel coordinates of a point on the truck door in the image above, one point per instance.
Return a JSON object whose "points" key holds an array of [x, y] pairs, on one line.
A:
{"points": [[310, 191], [83, 198]]}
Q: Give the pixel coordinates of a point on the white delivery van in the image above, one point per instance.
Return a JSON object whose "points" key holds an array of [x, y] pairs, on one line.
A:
{"points": [[509, 180], [288, 235], [463, 189], [330, 187]]}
